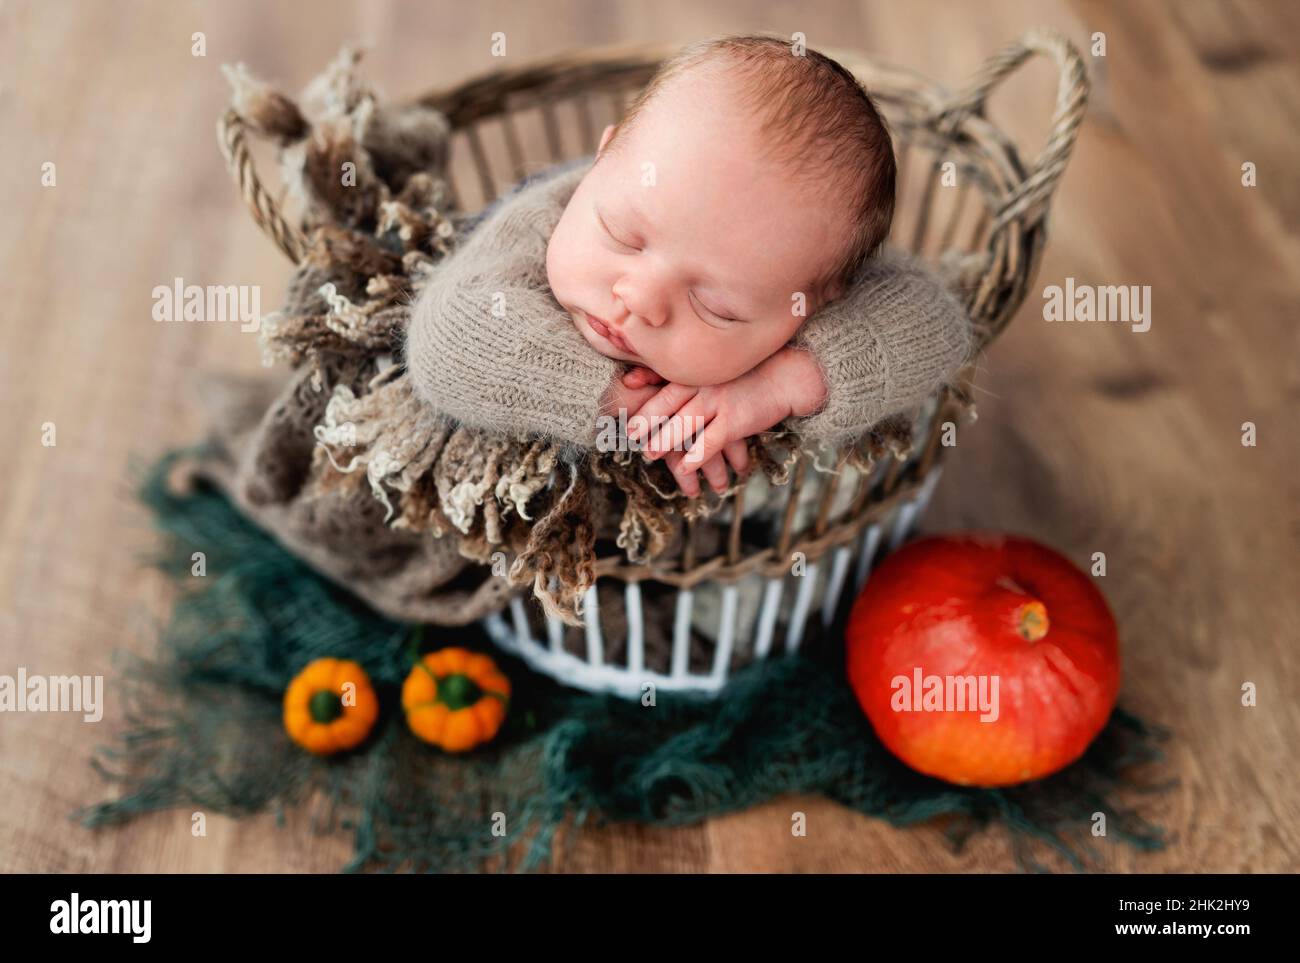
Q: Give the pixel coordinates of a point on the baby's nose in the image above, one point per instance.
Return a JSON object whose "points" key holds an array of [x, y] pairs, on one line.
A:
{"points": [[642, 301], [653, 316]]}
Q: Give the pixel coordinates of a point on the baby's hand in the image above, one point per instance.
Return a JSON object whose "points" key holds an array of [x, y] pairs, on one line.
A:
{"points": [[628, 393], [718, 418], [634, 390]]}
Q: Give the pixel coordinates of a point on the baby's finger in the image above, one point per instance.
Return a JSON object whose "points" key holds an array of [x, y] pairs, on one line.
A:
{"points": [[684, 474], [710, 442], [621, 398], [679, 432], [737, 452], [663, 405], [715, 473], [671, 435], [641, 375]]}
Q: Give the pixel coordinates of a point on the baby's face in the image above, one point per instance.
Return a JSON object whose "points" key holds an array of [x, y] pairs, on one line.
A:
{"points": [[684, 250]]}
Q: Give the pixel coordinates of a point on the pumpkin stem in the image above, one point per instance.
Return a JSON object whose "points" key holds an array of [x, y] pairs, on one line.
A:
{"points": [[325, 706], [457, 691], [1031, 621]]}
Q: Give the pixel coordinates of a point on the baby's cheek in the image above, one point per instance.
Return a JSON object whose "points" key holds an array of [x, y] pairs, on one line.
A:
{"points": [[568, 275], [554, 271]]}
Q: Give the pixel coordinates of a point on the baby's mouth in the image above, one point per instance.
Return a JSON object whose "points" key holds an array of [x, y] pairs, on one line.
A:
{"points": [[606, 332]]}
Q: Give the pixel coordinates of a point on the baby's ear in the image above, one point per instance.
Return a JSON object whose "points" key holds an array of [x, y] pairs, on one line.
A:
{"points": [[604, 137]]}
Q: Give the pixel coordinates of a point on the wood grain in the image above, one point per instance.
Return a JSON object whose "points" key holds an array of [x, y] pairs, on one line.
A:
{"points": [[1091, 437]]}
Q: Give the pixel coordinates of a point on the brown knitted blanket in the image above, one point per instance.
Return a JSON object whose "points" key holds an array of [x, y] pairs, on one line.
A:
{"points": [[424, 517]]}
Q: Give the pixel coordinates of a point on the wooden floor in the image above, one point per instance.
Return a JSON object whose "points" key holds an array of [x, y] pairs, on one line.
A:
{"points": [[1091, 437]]}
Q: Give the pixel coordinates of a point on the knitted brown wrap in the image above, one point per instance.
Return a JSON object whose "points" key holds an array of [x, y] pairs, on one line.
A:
{"points": [[347, 467]]}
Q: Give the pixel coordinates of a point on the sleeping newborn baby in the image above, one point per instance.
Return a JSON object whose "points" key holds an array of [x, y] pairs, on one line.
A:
{"points": [[713, 273]]}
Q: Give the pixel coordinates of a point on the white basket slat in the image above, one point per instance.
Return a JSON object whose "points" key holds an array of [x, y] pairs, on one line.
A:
{"points": [[799, 614], [835, 584], [767, 617], [554, 627], [682, 634], [635, 628], [591, 621], [927, 490], [726, 633], [902, 524], [912, 509], [870, 539], [520, 618]]}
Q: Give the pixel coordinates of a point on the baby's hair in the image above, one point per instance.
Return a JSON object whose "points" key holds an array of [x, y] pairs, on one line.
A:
{"points": [[816, 117]]}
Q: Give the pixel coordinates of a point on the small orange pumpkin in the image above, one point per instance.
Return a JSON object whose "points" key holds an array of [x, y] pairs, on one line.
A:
{"points": [[455, 699], [330, 706]]}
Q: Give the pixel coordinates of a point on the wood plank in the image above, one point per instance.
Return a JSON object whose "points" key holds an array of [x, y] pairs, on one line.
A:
{"points": [[1091, 437]]}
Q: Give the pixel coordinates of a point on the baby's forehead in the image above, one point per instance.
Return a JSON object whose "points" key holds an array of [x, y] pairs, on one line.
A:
{"points": [[718, 80], [711, 108]]}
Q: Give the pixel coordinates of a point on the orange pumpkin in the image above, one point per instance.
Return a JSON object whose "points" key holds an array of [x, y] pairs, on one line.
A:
{"points": [[330, 706], [983, 659], [455, 699]]}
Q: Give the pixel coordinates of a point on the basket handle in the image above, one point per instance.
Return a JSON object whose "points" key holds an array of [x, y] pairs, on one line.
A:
{"points": [[1071, 100], [266, 212]]}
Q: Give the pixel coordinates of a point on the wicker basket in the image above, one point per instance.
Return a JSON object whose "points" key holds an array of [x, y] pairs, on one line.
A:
{"points": [[742, 584]]}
